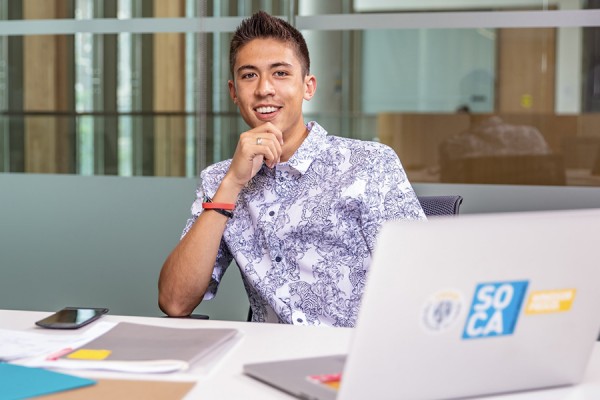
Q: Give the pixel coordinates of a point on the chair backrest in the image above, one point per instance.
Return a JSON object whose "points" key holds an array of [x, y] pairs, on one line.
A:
{"points": [[440, 205]]}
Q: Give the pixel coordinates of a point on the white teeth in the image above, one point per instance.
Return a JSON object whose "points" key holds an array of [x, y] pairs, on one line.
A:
{"points": [[265, 110]]}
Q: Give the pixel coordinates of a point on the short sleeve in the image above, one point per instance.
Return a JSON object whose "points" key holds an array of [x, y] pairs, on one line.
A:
{"points": [[388, 194]]}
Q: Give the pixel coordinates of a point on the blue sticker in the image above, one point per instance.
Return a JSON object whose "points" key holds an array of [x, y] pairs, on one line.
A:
{"points": [[495, 309]]}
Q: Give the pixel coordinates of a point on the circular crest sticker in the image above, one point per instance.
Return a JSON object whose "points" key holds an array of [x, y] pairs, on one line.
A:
{"points": [[441, 310]]}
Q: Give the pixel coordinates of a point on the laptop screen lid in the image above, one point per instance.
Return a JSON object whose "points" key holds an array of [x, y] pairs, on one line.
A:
{"points": [[477, 305]]}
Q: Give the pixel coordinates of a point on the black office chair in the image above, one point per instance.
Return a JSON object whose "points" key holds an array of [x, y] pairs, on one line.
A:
{"points": [[435, 206]]}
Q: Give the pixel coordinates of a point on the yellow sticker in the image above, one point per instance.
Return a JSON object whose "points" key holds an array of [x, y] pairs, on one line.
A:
{"points": [[89, 354], [333, 385], [550, 301]]}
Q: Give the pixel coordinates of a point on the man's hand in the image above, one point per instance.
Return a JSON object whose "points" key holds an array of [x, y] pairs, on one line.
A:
{"points": [[259, 144]]}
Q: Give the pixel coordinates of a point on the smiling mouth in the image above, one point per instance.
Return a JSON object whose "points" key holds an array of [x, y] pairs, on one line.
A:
{"points": [[266, 110]]}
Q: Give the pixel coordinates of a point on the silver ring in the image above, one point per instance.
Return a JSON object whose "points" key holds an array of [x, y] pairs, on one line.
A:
{"points": [[259, 141]]}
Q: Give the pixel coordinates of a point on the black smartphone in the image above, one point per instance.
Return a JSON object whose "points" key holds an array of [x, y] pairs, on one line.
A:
{"points": [[71, 317]]}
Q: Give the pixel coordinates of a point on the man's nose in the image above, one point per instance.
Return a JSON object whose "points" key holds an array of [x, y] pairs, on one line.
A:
{"points": [[265, 87]]}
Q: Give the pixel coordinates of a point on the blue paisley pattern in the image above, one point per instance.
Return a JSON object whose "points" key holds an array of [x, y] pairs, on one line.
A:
{"points": [[303, 233]]}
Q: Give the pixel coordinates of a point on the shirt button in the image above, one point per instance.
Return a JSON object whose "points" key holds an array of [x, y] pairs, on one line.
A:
{"points": [[271, 213], [300, 320], [278, 259]]}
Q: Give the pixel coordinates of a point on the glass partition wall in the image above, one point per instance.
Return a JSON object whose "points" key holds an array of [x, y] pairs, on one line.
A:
{"points": [[468, 91]]}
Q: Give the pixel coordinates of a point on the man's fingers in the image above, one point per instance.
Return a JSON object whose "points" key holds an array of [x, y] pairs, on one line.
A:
{"points": [[270, 129], [269, 149], [270, 158], [261, 142]]}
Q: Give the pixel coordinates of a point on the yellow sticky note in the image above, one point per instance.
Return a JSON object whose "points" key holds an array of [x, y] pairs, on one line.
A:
{"points": [[89, 354], [550, 301]]}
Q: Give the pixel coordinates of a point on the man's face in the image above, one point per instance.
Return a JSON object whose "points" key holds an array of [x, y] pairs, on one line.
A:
{"points": [[269, 86]]}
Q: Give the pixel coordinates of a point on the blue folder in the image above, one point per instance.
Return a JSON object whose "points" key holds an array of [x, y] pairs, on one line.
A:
{"points": [[18, 382]]}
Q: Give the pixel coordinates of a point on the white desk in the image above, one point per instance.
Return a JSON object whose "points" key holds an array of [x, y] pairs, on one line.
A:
{"points": [[262, 342]]}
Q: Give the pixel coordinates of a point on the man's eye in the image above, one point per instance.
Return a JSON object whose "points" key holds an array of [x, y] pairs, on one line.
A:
{"points": [[281, 73], [248, 75]]}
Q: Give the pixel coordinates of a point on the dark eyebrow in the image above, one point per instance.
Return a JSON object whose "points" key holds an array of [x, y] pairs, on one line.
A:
{"points": [[281, 64], [272, 66], [242, 67]]}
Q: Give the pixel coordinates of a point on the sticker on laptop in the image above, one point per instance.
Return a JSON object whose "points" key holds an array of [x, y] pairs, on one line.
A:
{"points": [[441, 310], [495, 309], [549, 301], [331, 381]]}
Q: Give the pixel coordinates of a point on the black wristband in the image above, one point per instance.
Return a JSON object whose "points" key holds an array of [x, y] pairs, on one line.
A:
{"points": [[226, 213]]}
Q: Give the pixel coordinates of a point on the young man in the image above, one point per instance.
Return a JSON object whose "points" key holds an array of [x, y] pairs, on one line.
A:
{"points": [[297, 209]]}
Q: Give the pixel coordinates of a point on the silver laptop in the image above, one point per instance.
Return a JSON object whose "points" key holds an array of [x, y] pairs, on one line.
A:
{"points": [[467, 306]]}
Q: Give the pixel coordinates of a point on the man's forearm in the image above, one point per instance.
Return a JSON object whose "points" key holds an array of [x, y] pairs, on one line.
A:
{"points": [[187, 271]]}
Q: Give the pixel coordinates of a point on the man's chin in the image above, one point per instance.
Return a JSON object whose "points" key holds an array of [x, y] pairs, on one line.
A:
{"points": [[256, 123]]}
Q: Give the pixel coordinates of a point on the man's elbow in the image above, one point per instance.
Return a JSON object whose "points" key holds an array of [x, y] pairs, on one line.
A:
{"points": [[173, 307]]}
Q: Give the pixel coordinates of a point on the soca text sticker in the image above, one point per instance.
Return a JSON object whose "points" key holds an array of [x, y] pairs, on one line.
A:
{"points": [[495, 309]]}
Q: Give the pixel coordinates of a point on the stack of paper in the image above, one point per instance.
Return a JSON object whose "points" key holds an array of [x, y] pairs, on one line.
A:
{"points": [[15, 344], [140, 348]]}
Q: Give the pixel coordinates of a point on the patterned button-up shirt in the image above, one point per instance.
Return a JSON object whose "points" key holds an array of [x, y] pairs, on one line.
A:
{"points": [[303, 233]]}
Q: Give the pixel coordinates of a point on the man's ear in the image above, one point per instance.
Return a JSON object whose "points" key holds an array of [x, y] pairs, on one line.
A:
{"points": [[232, 91], [310, 86]]}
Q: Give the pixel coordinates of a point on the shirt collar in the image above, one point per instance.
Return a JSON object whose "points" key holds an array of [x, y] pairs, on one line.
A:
{"points": [[314, 144]]}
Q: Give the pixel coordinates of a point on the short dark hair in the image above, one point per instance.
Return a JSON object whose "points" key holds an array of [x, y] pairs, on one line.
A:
{"points": [[261, 25]]}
